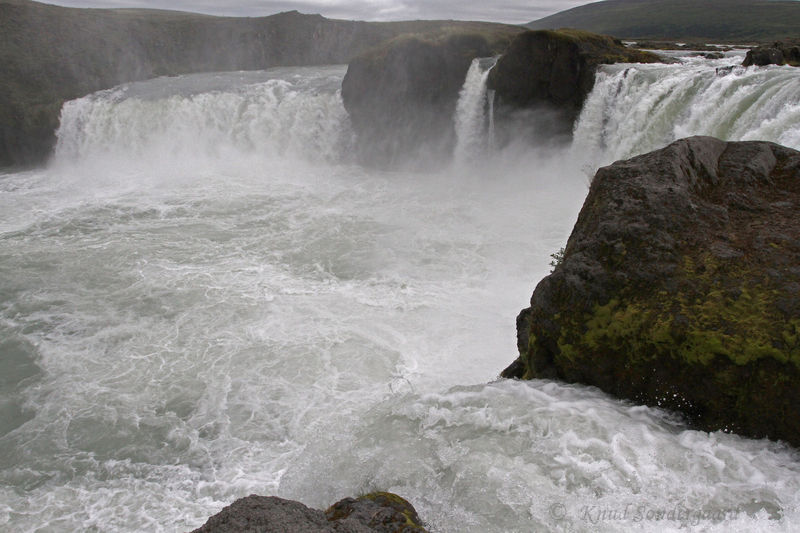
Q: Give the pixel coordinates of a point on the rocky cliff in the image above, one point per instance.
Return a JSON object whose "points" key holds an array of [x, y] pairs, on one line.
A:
{"points": [[49, 54], [551, 73], [680, 287], [401, 96]]}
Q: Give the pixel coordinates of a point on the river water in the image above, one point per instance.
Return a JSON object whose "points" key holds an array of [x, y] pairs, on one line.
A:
{"points": [[204, 296]]}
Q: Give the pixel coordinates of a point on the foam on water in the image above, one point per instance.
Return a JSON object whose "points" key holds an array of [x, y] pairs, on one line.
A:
{"points": [[182, 329], [634, 109]]}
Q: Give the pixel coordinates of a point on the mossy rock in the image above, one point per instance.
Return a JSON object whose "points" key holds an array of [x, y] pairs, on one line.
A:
{"points": [[383, 511], [680, 288]]}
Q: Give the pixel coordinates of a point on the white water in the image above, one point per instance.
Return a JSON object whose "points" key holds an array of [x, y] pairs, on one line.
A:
{"points": [[193, 309], [278, 113], [473, 130], [636, 109]]}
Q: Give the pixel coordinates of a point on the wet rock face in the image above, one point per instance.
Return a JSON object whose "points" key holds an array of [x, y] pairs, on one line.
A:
{"points": [[378, 512], [556, 68], [779, 53], [262, 514], [680, 288], [402, 96]]}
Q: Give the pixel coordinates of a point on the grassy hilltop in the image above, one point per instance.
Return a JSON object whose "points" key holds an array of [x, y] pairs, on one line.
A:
{"points": [[50, 54], [737, 21]]}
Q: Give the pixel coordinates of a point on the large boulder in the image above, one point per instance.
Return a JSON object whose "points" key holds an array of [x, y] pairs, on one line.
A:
{"points": [[779, 53], [377, 512], [680, 287], [552, 72], [401, 96]]}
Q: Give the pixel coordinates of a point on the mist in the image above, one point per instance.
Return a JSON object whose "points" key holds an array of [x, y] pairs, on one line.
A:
{"points": [[213, 290]]}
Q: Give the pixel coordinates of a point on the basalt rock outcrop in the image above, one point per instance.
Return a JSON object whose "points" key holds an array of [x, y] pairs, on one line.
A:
{"points": [[50, 54], [401, 96], [680, 287], [552, 73], [378, 512], [779, 53]]}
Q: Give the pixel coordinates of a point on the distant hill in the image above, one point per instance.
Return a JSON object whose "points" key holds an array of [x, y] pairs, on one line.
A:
{"points": [[49, 54], [739, 21]]}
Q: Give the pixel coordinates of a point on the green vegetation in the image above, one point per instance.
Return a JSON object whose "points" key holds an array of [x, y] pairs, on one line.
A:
{"points": [[720, 352], [728, 21], [556, 258], [705, 322]]}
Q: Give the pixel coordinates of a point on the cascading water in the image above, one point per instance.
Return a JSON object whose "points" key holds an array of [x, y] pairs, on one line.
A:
{"points": [[634, 109], [270, 113], [202, 299], [492, 142], [473, 130]]}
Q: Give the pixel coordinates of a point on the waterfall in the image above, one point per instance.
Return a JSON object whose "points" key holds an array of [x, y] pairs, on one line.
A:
{"points": [[269, 113], [472, 130], [639, 108], [199, 302], [490, 97]]}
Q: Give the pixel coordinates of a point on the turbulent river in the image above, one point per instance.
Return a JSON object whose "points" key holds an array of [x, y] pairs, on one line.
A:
{"points": [[203, 296]]}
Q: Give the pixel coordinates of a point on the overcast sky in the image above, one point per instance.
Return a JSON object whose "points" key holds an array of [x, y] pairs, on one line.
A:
{"points": [[512, 11]]}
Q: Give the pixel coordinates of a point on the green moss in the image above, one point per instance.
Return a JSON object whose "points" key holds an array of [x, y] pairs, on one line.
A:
{"points": [[380, 497], [401, 505], [733, 312], [708, 318]]}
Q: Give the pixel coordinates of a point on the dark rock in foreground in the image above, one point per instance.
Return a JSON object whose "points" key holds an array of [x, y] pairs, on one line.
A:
{"points": [[780, 53], [554, 71], [378, 512], [680, 287]]}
